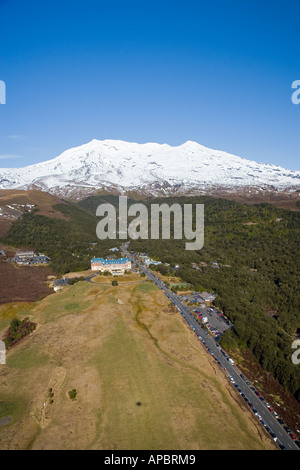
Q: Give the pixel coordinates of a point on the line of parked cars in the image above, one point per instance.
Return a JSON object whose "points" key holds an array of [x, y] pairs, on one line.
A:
{"points": [[268, 406], [240, 391], [251, 406]]}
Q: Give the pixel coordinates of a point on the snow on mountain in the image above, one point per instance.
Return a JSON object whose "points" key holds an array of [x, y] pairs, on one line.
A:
{"points": [[123, 166]]}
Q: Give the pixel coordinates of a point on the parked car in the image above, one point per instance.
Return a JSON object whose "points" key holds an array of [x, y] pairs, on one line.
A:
{"points": [[274, 436]]}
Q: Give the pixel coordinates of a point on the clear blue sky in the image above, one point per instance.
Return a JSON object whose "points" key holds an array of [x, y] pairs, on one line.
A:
{"points": [[217, 72]]}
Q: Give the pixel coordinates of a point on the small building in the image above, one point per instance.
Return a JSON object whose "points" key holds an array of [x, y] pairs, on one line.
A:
{"points": [[60, 282], [151, 261], [27, 258], [207, 297], [25, 254], [144, 258]]}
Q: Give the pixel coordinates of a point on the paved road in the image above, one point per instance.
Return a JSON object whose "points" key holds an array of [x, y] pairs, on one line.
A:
{"points": [[283, 438]]}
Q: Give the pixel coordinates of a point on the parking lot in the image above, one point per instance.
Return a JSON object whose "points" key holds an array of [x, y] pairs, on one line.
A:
{"points": [[213, 319]]}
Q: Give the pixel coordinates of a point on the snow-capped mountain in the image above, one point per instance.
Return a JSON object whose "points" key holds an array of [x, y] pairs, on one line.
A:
{"points": [[151, 168]]}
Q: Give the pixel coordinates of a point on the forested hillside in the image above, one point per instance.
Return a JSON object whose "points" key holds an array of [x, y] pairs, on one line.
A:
{"points": [[69, 243], [255, 251], [256, 277]]}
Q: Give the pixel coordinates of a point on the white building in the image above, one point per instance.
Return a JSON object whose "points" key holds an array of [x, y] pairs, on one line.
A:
{"points": [[116, 267]]}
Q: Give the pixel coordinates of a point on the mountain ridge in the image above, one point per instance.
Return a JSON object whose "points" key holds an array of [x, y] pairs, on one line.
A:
{"points": [[151, 168]]}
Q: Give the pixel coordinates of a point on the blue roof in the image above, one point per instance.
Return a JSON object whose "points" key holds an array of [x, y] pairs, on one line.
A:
{"points": [[110, 261]]}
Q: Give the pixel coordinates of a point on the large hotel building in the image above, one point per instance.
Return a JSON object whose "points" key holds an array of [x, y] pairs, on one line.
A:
{"points": [[114, 266]]}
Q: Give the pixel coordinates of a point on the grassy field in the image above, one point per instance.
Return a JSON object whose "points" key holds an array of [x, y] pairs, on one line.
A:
{"points": [[121, 279], [143, 380]]}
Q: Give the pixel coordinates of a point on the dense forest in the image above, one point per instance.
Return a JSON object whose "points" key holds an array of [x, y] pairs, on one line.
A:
{"points": [[250, 259], [70, 244]]}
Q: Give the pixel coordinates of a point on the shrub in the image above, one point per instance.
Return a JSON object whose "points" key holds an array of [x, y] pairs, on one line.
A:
{"points": [[17, 330], [72, 394]]}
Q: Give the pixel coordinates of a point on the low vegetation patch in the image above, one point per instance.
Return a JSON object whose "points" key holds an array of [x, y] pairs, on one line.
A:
{"points": [[72, 394], [17, 330], [74, 280]]}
